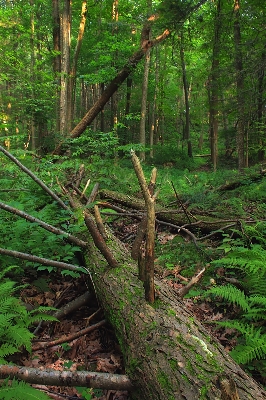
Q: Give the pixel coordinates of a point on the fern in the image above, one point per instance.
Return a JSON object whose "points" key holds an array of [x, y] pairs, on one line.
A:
{"points": [[15, 322], [249, 266], [20, 390], [231, 294], [254, 342]]}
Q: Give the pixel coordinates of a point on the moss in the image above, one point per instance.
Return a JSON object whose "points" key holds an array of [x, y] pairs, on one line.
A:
{"points": [[171, 312], [157, 304], [203, 393], [173, 364], [163, 380]]}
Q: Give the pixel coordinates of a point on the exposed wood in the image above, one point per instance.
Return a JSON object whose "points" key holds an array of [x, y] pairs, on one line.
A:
{"points": [[66, 378], [150, 228]]}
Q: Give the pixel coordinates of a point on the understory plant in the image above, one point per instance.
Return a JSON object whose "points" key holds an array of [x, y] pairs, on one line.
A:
{"points": [[243, 263], [15, 334]]}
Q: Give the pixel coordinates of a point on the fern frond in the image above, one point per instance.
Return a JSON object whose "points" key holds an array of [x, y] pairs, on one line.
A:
{"points": [[20, 336], [244, 354], [260, 300], [231, 294], [20, 390], [7, 288], [6, 349]]}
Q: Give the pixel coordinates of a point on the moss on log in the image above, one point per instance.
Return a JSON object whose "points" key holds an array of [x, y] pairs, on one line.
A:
{"points": [[168, 353]]}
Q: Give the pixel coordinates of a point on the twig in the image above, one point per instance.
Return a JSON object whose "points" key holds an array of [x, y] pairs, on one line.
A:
{"points": [[185, 289], [68, 338], [70, 238], [85, 188], [34, 177], [41, 260]]}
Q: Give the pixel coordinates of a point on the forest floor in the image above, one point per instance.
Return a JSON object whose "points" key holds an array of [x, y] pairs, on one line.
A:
{"points": [[98, 350]]}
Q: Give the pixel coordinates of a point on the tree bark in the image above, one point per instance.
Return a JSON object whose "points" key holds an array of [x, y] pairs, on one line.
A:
{"points": [[240, 136], [66, 378], [214, 87], [186, 135], [168, 353]]}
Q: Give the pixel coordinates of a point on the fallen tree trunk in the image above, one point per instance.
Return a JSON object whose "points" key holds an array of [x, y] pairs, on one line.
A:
{"points": [[204, 223], [168, 353]]}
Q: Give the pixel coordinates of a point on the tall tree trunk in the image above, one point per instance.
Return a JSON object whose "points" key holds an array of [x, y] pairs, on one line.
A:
{"points": [[73, 71], [57, 59], [186, 95], [143, 112], [240, 136], [145, 39], [65, 97], [261, 75], [114, 98], [153, 125], [214, 87]]}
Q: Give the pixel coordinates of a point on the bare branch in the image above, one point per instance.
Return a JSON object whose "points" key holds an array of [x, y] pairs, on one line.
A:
{"points": [[51, 377], [44, 225], [40, 260], [34, 177]]}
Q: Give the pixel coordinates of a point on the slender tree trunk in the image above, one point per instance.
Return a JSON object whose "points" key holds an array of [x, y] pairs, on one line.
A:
{"points": [[73, 71], [145, 38], [186, 94], [65, 97], [57, 59], [154, 105], [114, 98], [240, 136], [214, 88], [261, 75], [143, 112]]}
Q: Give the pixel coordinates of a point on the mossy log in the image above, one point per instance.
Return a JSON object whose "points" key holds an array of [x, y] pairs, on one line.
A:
{"points": [[205, 224], [168, 354]]}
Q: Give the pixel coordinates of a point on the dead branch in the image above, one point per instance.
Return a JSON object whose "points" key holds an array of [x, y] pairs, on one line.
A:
{"points": [[99, 240], [41, 260], [67, 309], [150, 229], [195, 279], [70, 238], [93, 194], [99, 222], [69, 338], [51, 377], [34, 177]]}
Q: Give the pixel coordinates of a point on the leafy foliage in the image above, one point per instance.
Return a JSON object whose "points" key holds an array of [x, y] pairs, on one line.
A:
{"points": [[15, 320], [20, 390], [245, 257]]}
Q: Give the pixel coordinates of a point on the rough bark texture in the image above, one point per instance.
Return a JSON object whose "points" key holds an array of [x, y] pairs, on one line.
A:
{"points": [[168, 354]]}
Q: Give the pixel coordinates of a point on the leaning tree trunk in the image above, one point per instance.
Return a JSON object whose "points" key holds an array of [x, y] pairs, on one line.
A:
{"points": [[168, 353]]}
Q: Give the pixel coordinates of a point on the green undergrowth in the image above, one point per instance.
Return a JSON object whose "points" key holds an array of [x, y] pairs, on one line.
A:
{"points": [[239, 253]]}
